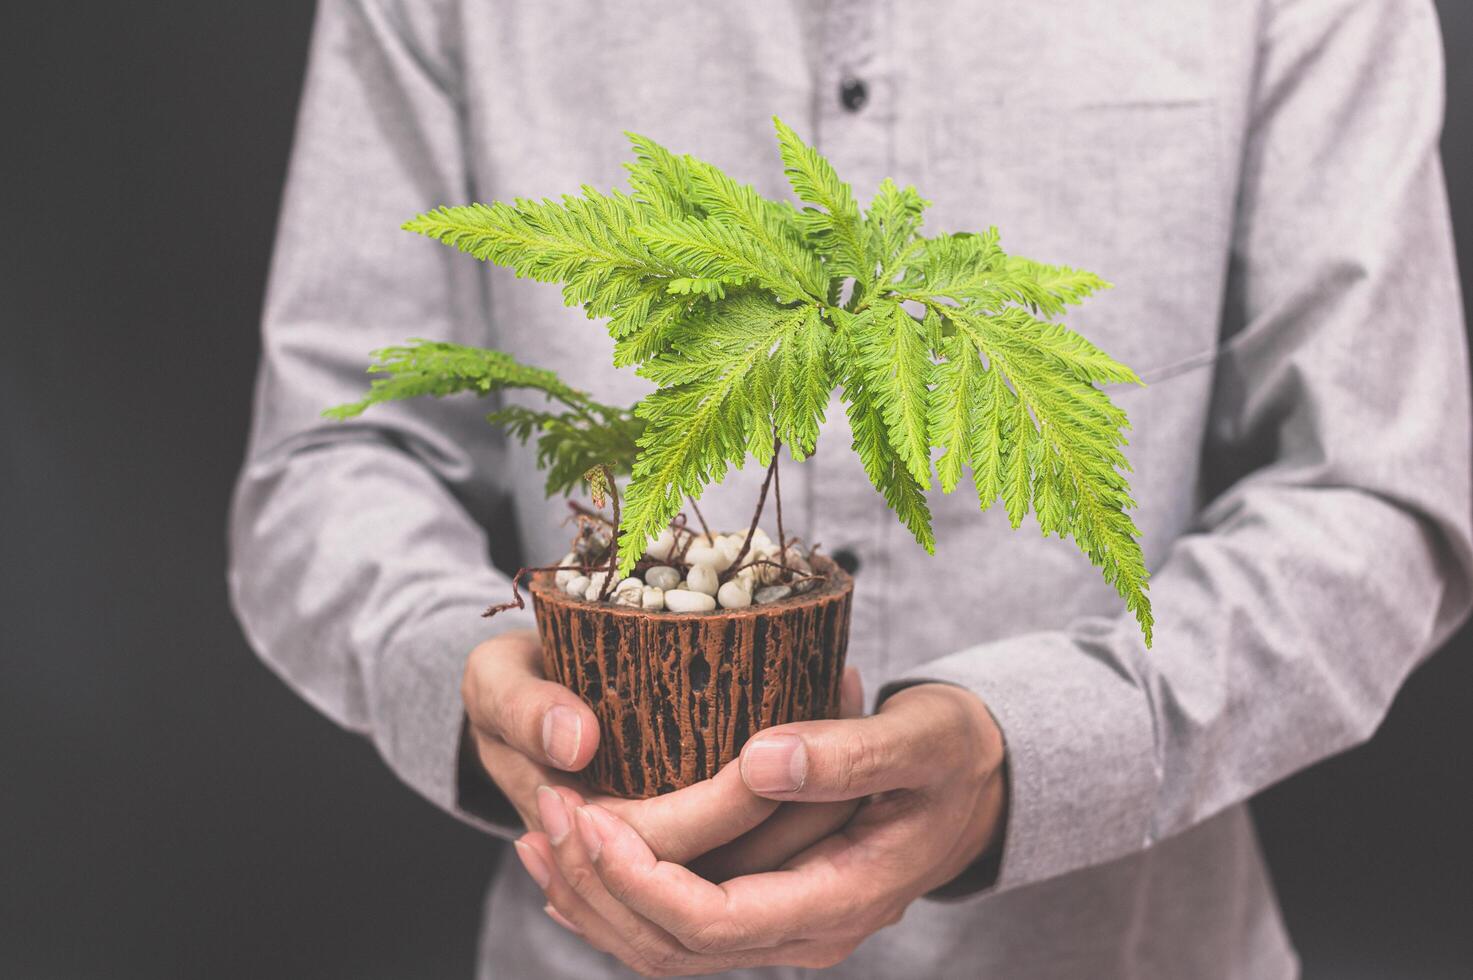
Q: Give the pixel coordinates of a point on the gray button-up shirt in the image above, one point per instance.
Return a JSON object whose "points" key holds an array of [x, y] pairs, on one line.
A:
{"points": [[1259, 178]]}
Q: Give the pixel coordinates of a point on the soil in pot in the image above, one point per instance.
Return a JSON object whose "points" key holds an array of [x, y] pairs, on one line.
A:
{"points": [[677, 695]]}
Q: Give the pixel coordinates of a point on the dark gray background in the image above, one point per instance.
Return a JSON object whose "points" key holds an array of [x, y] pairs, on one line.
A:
{"points": [[167, 807]]}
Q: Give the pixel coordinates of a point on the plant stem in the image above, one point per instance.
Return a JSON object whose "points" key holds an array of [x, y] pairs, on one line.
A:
{"points": [[757, 515], [710, 538], [608, 585], [588, 512]]}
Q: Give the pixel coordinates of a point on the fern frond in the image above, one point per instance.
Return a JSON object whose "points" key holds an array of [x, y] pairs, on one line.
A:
{"points": [[770, 226], [836, 231], [973, 269], [893, 354], [1054, 443], [715, 251], [803, 383], [587, 243], [886, 470], [893, 219], [662, 179], [719, 386], [438, 368], [1050, 288]]}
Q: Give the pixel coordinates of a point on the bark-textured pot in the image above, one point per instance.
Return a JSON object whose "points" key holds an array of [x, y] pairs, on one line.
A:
{"points": [[677, 695]]}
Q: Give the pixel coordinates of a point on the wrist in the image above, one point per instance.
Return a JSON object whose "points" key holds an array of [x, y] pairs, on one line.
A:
{"points": [[978, 776]]}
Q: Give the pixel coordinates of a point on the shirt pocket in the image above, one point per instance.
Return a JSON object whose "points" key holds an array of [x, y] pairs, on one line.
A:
{"points": [[1135, 191]]}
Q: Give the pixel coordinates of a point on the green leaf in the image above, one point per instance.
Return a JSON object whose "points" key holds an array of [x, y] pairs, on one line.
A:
{"points": [[662, 179], [769, 227], [892, 221], [1054, 442], [587, 243], [893, 354], [585, 434], [836, 231], [954, 406], [716, 251], [718, 388], [882, 464], [437, 368]]}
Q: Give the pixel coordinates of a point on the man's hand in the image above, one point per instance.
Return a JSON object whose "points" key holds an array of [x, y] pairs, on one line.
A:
{"points": [[928, 768], [531, 732]]}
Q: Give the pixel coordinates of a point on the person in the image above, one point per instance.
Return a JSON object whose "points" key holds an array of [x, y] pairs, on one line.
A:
{"points": [[1034, 792]]}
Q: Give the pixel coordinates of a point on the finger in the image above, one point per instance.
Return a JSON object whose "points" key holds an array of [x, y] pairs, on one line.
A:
{"points": [[567, 909], [506, 696], [822, 901], [908, 744], [689, 822], [851, 694], [792, 829], [577, 896]]}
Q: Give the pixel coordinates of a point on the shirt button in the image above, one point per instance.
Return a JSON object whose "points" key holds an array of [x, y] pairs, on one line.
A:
{"points": [[846, 559], [853, 94]]}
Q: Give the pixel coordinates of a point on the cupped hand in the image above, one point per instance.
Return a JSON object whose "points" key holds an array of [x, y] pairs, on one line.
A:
{"points": [[927, 770]]}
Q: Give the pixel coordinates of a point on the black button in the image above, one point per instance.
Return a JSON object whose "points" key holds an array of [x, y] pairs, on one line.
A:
{"points": [[853, 94], [847, 560]]}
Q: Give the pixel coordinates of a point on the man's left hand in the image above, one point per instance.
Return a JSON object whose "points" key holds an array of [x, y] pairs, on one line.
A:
{"points": [[928, 770]]}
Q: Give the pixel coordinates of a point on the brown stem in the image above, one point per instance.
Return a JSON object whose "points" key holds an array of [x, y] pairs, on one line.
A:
{"points": [[584, 511], [757, 514], [516, 594], [710, 538], [608, 585]]}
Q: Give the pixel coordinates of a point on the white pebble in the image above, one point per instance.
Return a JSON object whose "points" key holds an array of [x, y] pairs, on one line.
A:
{"points": [[629, 583], [663, 544], [628, 597], [595, 586], [731, 546], [662, 577], [760, 539], [733, 596], [680, 600], [652, 597], [577, 585], [565, 575], [703, 578], [716, 558]]}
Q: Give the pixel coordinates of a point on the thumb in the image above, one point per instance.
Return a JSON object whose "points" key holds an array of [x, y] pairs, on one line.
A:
{"points": [[506, 697], [849, 758]]}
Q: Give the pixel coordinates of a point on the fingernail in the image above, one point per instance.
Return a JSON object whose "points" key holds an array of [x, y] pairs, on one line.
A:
{"points": [[554, 815], [775, 764], [560, 919], [587, 829], [532, 861], [562, 729]]}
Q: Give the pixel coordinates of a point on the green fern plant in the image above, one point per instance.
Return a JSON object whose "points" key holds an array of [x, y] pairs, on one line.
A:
{"points": [[747, 313]]}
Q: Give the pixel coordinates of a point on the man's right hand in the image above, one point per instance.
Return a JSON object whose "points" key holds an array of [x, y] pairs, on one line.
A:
{"points": [[532, 732]]}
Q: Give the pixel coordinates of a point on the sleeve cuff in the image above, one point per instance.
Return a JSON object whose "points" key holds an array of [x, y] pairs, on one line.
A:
{"points": [[1080, 750], [419, 724]]}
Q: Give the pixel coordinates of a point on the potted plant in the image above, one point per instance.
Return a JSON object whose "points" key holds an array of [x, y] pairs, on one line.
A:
{"points": [[746, 313]]}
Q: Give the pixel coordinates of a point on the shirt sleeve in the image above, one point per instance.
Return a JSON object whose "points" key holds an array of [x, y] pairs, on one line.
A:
{"points": [[1336, 554], [359, 556]]}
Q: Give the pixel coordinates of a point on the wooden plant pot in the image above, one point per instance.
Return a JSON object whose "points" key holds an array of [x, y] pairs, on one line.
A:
{"points": [[677, 695]]}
